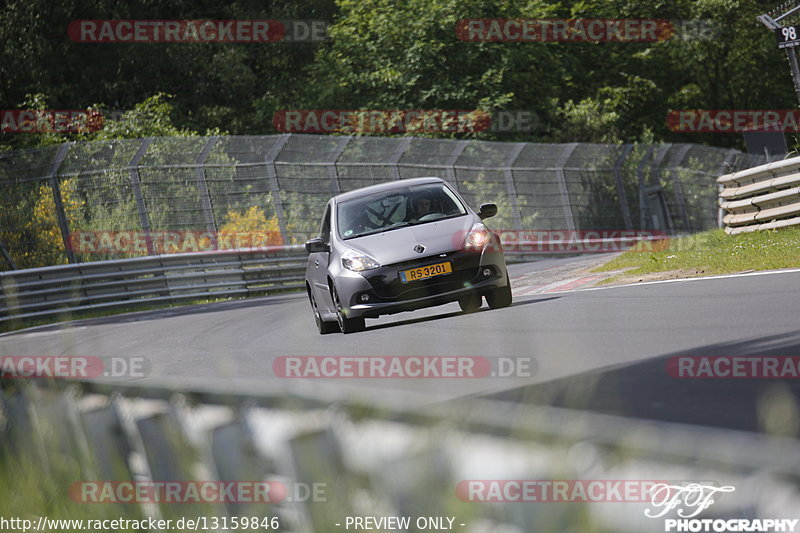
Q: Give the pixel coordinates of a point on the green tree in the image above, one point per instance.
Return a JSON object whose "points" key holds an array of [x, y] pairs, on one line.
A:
{"points": [[387, 55]]}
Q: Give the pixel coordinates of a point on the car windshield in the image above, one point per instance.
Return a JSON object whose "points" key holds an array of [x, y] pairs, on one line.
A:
{"points": [[396, 208]]}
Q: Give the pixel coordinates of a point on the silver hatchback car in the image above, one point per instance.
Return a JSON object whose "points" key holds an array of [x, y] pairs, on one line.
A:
{"points": [[402, 246]]}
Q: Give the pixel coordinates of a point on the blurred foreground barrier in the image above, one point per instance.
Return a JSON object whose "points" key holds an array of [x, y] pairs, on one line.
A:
{"points": [[47, 291], [763, 197], [324, 462]]}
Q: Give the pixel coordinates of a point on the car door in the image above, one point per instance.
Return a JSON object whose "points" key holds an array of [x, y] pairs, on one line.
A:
{"points": [[318, 265]]}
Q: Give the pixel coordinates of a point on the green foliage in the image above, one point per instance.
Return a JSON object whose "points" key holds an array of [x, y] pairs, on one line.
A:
{"points": [[587, 121], [388, 55], [150, 118], [380, 55]]}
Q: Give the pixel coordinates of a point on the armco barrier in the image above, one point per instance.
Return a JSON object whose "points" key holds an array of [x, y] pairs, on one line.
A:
{"points": [[42, 292], [763, 197], [345, 459], [172, 278]]}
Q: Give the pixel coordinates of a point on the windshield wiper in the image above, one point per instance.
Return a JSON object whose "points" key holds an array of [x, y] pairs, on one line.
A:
{"points": [[382, 230]]}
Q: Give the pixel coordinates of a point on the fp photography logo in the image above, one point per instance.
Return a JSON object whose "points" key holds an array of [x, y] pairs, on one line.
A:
{"points": [[688, 501]]}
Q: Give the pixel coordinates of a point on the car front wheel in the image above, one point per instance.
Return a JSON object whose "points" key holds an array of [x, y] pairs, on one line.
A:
{"points": [[470, 303], [323, 326], [499, 298], [346, 325]]}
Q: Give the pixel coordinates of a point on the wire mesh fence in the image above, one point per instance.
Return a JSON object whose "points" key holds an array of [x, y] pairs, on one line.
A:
{"points": [[88, 201]]}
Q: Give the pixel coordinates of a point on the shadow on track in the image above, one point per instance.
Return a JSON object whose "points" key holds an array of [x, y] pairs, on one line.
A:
{"points": [[483, 309], [647, 390]]}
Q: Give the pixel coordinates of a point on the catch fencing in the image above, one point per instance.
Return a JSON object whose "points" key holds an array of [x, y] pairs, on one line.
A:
{"points": [[277, 185], [763, 197]]}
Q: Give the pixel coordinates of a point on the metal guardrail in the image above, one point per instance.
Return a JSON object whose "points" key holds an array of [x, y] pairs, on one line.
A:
{"points": [[48, 291], [171, 278], [763, 197], [410, 460]]}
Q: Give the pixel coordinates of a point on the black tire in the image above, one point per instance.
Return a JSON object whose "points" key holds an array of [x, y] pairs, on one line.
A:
{"points": [[471, 303], [499, 298], [346, 325], [323, 326]]}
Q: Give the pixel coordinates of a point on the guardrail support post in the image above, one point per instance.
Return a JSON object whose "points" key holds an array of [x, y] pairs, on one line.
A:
{"points": [[274, 189], [202, 185], [341, 144], [144, 219], [644, 209], [661, 153], [725, 167], [680, 197], [450, 170], [511, 187], [7, 257], [402, 147], [63, 223], [623, 198], [569, 216]]}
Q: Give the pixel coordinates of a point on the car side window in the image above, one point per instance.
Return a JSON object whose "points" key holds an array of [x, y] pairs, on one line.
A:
{"points": [[325, 226]]}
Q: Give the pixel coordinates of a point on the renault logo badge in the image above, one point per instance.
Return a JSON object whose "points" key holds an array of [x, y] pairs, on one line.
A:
{"points": [[419, 248]]}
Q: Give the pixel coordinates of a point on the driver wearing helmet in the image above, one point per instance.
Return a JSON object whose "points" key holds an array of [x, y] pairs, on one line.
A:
{"points": [[423, 205]]}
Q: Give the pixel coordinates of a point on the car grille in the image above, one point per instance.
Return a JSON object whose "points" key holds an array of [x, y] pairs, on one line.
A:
{"points": [[386, 284]]}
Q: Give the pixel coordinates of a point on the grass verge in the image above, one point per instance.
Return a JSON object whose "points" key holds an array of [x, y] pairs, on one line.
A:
{"points": [[708, 253]]}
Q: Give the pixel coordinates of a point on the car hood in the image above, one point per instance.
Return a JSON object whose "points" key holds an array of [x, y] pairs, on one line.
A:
{"points": [[397, 245]]}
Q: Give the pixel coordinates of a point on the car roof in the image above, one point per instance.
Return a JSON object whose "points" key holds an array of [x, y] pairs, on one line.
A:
{"points": [[363, 191]]}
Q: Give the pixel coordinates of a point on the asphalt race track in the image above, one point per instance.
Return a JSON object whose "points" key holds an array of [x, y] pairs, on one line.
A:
{"points": [[601, 349]]}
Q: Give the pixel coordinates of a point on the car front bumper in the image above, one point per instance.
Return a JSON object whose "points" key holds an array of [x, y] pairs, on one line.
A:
{"points": [[381, 292]]}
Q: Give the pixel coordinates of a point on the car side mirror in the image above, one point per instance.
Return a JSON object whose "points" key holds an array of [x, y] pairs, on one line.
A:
{"points": [[316, 245], [487, 210]]}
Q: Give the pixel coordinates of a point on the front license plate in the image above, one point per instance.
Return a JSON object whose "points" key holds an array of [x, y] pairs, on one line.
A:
{"points": [[415, 274]]}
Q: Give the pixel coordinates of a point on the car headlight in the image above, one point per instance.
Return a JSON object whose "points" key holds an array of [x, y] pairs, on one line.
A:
{"points": [[477, 238], [358, 262]]}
